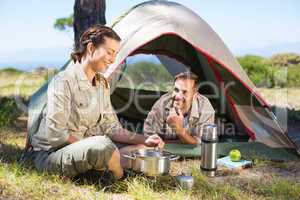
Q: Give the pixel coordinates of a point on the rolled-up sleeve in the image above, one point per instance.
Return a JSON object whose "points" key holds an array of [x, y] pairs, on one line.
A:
{"points": [[58, 112], [154, 121], [110, 123]]}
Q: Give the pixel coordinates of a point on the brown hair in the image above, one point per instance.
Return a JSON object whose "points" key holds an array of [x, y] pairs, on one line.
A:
{"points": [[96, 35], [187, 75]]}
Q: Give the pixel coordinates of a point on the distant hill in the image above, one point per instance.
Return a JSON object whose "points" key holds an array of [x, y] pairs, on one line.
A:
{"points": [[268, 51], [58, 56], [29, 59]]}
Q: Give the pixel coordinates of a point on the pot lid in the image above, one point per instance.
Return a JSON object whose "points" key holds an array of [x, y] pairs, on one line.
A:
{"points": [[153, 153]]}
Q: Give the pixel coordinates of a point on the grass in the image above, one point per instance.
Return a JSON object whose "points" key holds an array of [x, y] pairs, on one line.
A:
{"points": [[266, 180], [17, 83], [18, 182], [282, 97]]}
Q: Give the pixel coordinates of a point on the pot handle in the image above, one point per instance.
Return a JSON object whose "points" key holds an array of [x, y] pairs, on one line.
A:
{"points": [[174, 157], [128, 156]]}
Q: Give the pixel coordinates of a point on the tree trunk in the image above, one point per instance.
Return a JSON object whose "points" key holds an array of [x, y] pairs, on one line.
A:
{"points": [[86, 14]]}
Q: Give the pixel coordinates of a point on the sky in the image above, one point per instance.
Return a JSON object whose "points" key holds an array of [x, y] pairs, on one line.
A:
{"points": [[27, 34]]}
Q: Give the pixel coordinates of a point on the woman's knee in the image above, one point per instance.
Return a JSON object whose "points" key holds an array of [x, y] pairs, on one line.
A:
{"points": [[100, 152]]}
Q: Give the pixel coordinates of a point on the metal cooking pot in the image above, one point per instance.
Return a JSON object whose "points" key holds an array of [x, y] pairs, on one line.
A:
{"points": [[151, 162]]}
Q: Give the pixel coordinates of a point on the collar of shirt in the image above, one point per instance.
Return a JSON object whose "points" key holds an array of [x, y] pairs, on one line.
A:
{"points": [[83, 81], [100, 79]]}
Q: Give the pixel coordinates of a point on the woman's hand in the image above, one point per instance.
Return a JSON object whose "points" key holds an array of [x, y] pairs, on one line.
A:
{"points": [[154, 141]]}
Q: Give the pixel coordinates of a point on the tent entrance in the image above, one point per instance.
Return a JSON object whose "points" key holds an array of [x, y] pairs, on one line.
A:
{"points": [[174, 55]]}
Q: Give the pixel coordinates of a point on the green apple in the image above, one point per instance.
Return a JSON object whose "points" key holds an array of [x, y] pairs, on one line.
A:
{"points": [[235, 155]]}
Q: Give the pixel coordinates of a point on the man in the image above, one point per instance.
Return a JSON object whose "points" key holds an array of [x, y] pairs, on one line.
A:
{"points": [[178, 116]]}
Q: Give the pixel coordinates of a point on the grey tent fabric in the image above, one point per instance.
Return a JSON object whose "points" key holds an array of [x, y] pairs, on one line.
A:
{"points": [[172, 31], [154, 18], [36, 107]]}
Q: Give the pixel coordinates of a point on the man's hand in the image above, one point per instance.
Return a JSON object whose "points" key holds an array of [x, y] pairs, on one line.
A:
{"points": [[175, 119], [154, 141]]}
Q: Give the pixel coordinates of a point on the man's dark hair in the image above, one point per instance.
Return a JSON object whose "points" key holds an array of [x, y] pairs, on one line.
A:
{"points": [[187, 75]]}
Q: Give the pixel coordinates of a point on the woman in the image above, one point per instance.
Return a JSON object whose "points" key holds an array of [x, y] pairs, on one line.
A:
{"points": [[79, 126]]}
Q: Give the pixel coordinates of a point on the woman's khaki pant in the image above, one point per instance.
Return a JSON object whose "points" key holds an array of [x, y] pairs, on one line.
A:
{"points": [[79, 157]]}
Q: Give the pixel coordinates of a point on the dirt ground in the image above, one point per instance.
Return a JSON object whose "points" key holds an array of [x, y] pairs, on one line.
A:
{"points": [[265, 170]]}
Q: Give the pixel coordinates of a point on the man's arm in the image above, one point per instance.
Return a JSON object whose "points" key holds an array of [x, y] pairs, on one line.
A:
{"points": [[207, 117], [176, 122], [185, 136], [154, 122]]}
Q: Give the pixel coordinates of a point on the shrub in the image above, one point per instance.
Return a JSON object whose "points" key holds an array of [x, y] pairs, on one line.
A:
{"points": [[293, 77], [8, 112], [284, 59], [281, 70], [10, 70], [256, 69], [147, 76]]}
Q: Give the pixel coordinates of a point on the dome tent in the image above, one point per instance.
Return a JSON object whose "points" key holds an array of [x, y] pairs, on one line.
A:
{"points": [[179, 37], [170, 30]]}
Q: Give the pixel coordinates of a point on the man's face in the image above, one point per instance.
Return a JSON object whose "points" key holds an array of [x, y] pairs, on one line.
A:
{"points": [[183, 93]]}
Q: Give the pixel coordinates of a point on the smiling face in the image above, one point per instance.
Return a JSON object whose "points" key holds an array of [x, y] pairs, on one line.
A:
{"points": [[104, 55], [183, 93]]}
